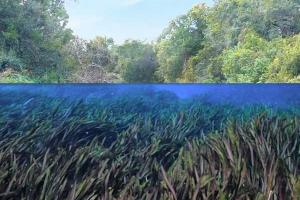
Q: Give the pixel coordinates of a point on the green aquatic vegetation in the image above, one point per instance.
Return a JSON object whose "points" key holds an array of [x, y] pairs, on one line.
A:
{"points": [[64, 149]]}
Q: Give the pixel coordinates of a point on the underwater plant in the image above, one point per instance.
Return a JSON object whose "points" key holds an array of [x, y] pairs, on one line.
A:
{"points": [[132, 147]]}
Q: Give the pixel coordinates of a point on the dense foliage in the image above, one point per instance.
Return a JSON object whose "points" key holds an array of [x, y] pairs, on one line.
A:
{"points": [[244, 41], [136, 147], [32, 35], [136, 62], [232, 41]]}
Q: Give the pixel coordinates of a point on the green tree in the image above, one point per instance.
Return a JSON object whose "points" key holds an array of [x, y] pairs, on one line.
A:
{"points": [[136, 61], [181, 40], [36, 32], [99, 51], [285, 66], [227, 21], [248, 61], [255, 59]]}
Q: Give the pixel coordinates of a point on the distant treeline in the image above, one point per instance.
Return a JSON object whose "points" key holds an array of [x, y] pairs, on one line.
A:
{"points": [[232, 41]]}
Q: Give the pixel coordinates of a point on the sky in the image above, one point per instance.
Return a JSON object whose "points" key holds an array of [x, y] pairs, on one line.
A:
{"points": [[125, 19]]}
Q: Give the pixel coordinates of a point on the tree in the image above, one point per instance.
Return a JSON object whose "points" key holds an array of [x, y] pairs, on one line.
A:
{"points": [[285, 66], [94, 60], [99, 52], [232, 41], [224, 52], [181, 40], [136, 61], [280, 18], [248, 61], [36, 32], [255, 59], [269, 18]]}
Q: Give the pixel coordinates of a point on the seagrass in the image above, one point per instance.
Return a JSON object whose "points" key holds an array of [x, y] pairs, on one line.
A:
{"points": [[141, 148]]}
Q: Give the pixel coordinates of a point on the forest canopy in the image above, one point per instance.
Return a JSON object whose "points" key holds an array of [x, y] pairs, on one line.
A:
{"points": [[253, 41]]}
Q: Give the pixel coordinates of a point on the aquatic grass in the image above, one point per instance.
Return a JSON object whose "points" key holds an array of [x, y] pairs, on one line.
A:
{"points": [[128, 149]]}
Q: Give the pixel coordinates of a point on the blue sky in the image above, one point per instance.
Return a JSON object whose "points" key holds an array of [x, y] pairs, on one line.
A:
{"points": [[124, 19]]}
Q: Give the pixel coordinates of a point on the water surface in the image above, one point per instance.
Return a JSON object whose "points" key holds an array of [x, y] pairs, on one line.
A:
{"points": [[280, 95]]}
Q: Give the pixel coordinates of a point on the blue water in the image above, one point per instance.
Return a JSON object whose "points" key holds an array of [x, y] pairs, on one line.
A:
{"points": [[280, 95]]}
